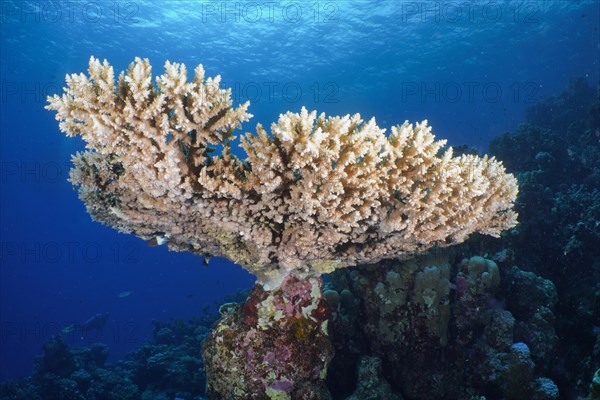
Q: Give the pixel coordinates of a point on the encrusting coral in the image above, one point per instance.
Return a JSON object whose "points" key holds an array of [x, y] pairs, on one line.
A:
{"points": [[316, 194]]}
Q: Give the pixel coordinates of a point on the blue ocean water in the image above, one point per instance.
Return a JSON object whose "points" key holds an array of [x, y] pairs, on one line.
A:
{"points": [[469, 67]]}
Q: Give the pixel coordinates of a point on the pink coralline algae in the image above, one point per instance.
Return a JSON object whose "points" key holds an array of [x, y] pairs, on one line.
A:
{"points": [[282, 348], [461, 284]]}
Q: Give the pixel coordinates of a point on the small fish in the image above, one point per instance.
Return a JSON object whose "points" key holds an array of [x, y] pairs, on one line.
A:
{"points": [[124, 294], [69, 328], [97, 321], [157, 241]]}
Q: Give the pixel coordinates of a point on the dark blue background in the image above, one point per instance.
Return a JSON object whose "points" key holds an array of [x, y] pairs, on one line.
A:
{"points": [[470, 68]]}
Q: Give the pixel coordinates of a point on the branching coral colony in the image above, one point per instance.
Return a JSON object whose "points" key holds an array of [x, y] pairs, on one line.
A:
{"points": [[316, 194]]}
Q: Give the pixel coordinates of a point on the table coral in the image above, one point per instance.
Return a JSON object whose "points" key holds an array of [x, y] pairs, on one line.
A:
{"points": [[315, 194]]}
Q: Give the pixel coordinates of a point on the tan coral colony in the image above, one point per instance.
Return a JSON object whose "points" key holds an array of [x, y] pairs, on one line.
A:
{"points": [[314, 193]]}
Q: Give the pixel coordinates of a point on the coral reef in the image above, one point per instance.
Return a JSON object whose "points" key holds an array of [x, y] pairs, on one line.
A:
{"points": [[519, 372], [171, 364], [371, 385], [316, 194], [65, 374], [436, 327], [167, 367], [556, 158], [441, 331], [531, 302]]}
